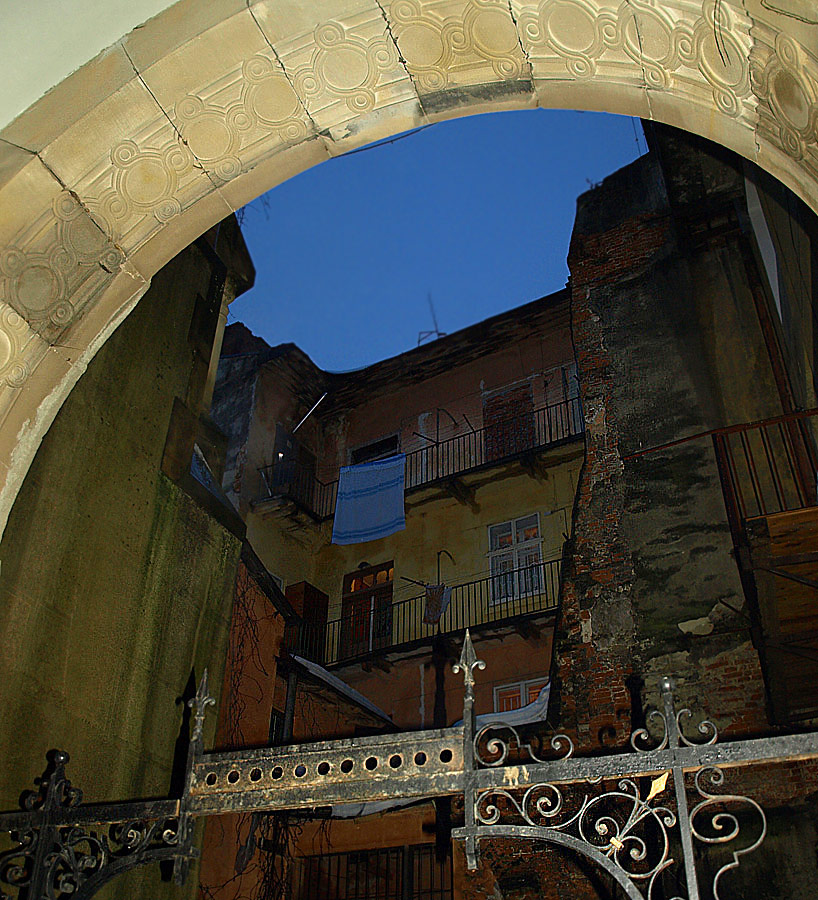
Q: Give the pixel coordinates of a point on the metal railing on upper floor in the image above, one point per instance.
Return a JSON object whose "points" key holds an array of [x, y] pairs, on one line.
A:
{"points": [[490, 445], [769, 466], [374, 627]]}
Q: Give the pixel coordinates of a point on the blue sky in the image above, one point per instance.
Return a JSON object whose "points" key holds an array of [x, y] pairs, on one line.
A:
{"points": [[476, 212]]}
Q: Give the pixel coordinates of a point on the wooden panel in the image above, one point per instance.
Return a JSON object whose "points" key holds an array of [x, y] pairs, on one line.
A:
{"points": [[787, 543]]}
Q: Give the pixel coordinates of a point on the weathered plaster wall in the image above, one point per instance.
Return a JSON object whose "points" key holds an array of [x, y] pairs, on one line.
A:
{"points": [[444, 523], [424, 390], [667, 347], [116, 585], [279, 385]]}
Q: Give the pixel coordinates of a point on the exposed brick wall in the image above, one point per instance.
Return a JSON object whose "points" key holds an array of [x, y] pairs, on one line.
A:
{"points": [[736, 675], [606, 257], [256, 631], [614, 622], [508, 418], [597, 626]]}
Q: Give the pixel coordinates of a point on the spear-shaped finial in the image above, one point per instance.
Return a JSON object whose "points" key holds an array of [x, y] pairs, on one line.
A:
{"points": [[199, 703], [468, 663]]}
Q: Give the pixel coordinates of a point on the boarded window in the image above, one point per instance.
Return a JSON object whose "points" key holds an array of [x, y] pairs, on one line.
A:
{"points": [[508, 420]]}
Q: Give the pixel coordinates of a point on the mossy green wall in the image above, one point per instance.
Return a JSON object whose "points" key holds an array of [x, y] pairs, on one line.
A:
{"points": [[115, 585]]}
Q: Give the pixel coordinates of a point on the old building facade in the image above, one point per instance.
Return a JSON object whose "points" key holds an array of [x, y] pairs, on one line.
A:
{"points": [[650, 513]]}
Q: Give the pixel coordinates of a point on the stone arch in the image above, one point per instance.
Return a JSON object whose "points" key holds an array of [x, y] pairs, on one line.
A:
{"points": [[212, 102]]}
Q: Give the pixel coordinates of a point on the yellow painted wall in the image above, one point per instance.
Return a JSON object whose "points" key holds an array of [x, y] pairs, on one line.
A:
{"points": [[447, 524]]}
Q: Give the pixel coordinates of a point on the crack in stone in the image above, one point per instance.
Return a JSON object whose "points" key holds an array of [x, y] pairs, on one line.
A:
{"points": [[81, 204], [522, 47], [5, 140], [641, 63], [401, 58], [273, 50], [197, 162]]}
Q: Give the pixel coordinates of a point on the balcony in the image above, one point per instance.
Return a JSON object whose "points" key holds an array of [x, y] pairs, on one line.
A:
{"points": [[491, 445], [768, 473], [492, 601], [768, 467]]}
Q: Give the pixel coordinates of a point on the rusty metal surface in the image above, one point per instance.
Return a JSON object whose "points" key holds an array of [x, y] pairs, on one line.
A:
{"points": [[415, 764], [512, 786]]}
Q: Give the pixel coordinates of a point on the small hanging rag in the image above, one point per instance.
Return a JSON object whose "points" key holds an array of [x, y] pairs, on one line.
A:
{"points": [[370, 501], [437, 599]]}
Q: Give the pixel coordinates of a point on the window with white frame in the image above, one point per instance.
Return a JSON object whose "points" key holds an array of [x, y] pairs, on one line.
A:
{"points": [[515, 558], [518, 694]]}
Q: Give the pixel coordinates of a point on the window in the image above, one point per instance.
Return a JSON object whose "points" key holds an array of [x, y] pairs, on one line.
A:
{"points": [[515, 559], [382, 449], [293, 471], [521, 693], [392, 873], [366, 610]]}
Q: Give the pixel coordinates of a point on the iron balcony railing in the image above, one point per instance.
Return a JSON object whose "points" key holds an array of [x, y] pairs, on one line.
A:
{"points": [[379, 626], [493, 444], [769, 467]]}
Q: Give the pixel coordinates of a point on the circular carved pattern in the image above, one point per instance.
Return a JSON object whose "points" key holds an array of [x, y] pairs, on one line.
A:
{"points": [[782, 82], [787, 52], [228, 168], [62, 259], [209, 137], [85, 243], [494, 33], [329, 35], [41, 287], [345, 69], [434, 47], [215, 135], [723, 62], [790, 99], [272, 101], [65, 207], [62, 313], [581, 34], [344, 65], [422, 44], [37, 288], [647, 38], [167, 209], [124, 154], [146, 180], [791, 142], [13, 330], [571, 28], [727, 102]]}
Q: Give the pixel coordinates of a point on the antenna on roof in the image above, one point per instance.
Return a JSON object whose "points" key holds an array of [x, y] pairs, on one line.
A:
{"points": [[435, 332]]}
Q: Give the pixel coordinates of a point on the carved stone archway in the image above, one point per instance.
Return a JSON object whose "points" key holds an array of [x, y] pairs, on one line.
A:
{"points": [[212, 102]]}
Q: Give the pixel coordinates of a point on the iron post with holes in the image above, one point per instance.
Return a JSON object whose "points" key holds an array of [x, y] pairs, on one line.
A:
{"points": [[627, 812]]}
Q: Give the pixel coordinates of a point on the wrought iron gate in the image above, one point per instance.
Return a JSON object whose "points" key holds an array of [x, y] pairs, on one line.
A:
{"points": [[511, 787]]}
